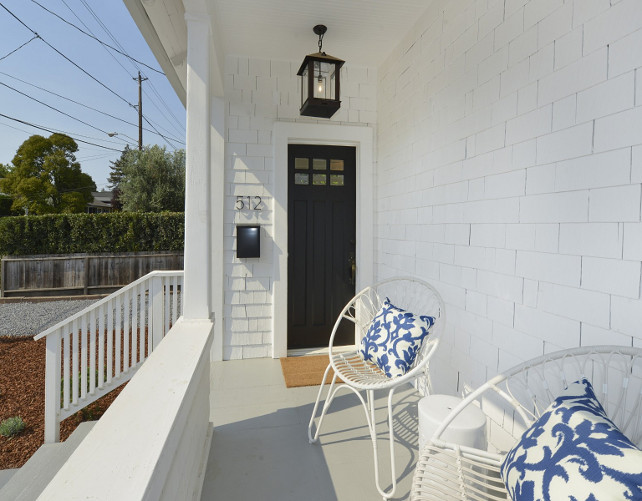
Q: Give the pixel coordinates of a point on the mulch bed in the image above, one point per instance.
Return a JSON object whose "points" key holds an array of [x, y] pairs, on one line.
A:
{"points": [[22, 393]]}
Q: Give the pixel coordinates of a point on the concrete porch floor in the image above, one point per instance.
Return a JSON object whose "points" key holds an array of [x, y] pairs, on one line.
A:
{"points": [[260, 449]]}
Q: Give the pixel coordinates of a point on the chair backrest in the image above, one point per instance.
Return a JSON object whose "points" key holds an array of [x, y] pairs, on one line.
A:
{"points": [[516, 398], [411, 294]]}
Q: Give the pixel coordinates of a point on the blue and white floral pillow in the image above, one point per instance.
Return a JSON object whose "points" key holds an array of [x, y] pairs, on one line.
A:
{"points": [[574, 452], [394, 338]]}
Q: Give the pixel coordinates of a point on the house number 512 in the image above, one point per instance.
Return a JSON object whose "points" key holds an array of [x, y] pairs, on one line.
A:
{"points": [[253, 203]]}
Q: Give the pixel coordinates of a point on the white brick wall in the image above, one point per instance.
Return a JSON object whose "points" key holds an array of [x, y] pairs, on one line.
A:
{"points": [[257, 93], [526, 157]]}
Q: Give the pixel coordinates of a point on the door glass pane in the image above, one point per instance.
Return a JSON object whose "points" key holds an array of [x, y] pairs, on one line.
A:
{"points": [[336, 179], [336, 164], [300, 178], [319, 163], [318, 179], [301, 163]]}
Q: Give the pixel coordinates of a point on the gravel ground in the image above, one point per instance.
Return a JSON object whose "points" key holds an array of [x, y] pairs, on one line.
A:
{"points": [[31, 318]]}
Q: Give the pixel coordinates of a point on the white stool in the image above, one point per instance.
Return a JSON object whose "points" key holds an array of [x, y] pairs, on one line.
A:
{"points": [[468, 428]]}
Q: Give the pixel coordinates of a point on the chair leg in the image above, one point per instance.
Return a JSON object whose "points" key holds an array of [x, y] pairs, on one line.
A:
{"points": [[369, 408], [370, 414], [326, 405]]}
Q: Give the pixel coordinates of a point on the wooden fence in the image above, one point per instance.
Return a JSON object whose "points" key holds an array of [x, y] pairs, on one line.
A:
{"points": [[76, 274]]}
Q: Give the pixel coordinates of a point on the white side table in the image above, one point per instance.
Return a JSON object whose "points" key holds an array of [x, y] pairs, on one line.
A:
{"points": [[468, 428]]}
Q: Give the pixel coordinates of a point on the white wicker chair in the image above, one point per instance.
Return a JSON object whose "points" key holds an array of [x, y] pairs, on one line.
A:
{"points": [[410, 294], [512, 401]]}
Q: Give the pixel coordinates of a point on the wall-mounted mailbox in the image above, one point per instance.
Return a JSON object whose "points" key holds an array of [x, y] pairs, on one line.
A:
{"points": [[248, 241]]}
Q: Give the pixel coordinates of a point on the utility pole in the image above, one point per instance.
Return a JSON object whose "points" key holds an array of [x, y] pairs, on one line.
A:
{"points": [[140, 110]]}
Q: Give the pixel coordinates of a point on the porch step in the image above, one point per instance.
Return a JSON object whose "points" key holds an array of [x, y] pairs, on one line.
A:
{"points": [[5, 476], [28, 482]]}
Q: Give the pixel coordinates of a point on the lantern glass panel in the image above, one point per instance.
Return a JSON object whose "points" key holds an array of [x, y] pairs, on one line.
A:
{"points": [[333, 83], [324, 80], [304, 85]]}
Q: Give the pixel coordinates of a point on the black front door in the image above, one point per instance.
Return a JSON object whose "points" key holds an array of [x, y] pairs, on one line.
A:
{"points": [[321, 242]]}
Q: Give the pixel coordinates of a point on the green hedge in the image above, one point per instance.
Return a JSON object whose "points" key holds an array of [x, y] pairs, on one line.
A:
{"points": [[77, 233]]}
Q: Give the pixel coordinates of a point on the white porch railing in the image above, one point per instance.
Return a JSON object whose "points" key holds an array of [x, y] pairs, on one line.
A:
{"points": [[101, 347]]}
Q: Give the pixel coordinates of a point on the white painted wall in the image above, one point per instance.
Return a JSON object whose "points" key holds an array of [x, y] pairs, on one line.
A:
{"points": [[257, 94], [510, 172]]}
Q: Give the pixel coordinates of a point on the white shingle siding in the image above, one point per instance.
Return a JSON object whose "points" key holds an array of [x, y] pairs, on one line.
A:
{"points": [[258, 92], [526, 152]]}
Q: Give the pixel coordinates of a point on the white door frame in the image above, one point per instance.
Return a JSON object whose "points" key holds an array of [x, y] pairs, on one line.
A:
{"points": [[286, 133]]}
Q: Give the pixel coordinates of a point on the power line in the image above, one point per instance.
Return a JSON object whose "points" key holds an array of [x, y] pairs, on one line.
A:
{"points": [[96, 156], [167, 140], [84, 106], [82, 69], [133, 63], [117, 43], [54, 132], [65, 57], [95, 38], [16, 50], [56, 109], [176, 129], [89, 30], [168, 133]]}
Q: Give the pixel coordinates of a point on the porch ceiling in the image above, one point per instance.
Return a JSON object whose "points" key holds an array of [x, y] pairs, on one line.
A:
{"points": [[362, 32]]}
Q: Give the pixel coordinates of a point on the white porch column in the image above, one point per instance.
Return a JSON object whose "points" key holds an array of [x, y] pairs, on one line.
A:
{"points": [[197, 293], [217, 200]]}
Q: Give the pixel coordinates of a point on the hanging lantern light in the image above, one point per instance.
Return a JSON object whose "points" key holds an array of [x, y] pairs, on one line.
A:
{"points": [[320, 81]]}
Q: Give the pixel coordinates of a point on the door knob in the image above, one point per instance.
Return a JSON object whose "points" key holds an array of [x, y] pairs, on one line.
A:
{"points": [[353, 270]]}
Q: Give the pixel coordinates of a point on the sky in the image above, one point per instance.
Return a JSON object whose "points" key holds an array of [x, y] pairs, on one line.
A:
{"points": [[65, 64]]}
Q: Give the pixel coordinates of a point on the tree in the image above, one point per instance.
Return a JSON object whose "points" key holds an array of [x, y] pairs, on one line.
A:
{"points": [[45, 178], [153, 180], [116, 176], [5, 200]]}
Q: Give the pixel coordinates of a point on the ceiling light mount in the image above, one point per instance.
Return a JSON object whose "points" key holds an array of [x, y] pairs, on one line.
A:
{"points": [[320, 30]]}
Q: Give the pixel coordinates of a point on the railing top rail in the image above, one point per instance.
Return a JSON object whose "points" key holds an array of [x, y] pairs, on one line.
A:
{"points": [[144, 278]]}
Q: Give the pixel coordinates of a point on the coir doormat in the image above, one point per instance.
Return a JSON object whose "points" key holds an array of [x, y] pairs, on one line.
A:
{"points": [[305, 371]]}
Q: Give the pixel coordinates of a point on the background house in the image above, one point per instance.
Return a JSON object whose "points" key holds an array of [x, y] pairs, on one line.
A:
{"points": [[101, 203]]}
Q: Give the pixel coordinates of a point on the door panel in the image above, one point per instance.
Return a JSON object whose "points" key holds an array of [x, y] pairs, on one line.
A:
{"points": [[321, 241]]}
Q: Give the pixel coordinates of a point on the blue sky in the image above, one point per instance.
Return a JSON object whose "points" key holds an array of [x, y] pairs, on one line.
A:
{"points": [[39, 65]]}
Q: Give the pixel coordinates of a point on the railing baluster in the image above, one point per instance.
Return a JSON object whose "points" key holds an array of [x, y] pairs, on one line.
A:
{"points": [[92, 351], [155, 319], [166, 303], [52, 388], [84, 332], [134, 324], [66, 363], [101, 346], [110, 340], [141, 323], [118, 333], [181, 283], [174, 300], [75, 362], [126, 343], [148, 317]]}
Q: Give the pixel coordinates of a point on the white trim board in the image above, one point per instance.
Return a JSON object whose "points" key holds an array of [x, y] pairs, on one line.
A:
{"points": [[286, 133]]}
